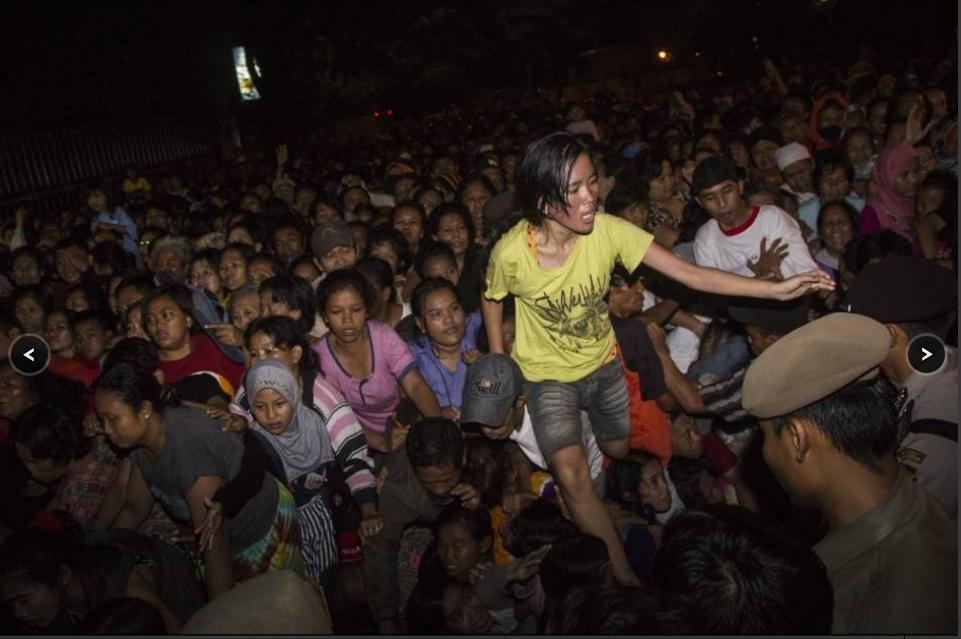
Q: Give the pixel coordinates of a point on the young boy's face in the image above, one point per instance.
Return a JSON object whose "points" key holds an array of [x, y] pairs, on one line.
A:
{"points": [[91, 339]]}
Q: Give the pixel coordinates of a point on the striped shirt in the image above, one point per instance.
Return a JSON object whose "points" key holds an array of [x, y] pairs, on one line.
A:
{"points": [[346, 435], [723, 398]]}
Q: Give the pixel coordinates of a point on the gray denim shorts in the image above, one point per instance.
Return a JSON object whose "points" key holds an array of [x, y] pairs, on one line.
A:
{"points": [[555, 409]]}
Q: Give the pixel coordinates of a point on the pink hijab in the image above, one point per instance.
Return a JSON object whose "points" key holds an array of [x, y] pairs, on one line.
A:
{"points": [[892, 209]]}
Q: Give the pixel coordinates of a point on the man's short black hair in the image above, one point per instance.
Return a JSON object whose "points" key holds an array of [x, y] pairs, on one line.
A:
{"points": [[434, 442], [544, 171], [736, 572], [859, 420]]}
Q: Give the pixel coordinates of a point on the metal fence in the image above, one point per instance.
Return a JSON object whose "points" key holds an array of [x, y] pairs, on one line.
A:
{"points": [[44, 170]]}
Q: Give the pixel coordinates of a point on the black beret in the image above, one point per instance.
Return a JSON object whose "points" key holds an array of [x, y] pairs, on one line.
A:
{"points": [[711, 171], [903, 288], [775, 317]]}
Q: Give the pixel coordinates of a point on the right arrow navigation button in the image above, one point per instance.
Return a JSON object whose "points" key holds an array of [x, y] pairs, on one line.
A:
{"points": [[926, 354]]}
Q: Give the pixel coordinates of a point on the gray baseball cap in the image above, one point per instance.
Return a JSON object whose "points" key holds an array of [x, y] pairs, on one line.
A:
{"points": [[493, 383]]}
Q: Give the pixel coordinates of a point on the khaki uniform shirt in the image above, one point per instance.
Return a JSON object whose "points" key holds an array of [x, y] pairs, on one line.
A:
{"points": [[932, 459], [894, 570]]}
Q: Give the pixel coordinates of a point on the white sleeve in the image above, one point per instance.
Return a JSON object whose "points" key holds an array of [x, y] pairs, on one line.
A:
{"points": [[704, 248], [799, 258]]}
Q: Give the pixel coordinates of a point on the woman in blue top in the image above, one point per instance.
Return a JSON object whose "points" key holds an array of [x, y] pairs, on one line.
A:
{"points": [[108, 217], [447, 342]]}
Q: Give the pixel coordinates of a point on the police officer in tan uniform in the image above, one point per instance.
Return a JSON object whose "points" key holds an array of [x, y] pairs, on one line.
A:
{"points": [[830, 436], [913, 296]]}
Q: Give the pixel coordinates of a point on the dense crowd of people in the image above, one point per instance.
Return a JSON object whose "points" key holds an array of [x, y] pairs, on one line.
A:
{"points": [[636, 366]]}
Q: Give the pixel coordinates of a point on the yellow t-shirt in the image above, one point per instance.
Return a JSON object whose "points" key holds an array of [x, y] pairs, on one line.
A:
{"points": [[564, 331], [141, 184]]}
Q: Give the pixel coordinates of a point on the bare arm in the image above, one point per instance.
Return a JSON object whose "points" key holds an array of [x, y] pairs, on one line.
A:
{"points": [[661, 312], [138, 504], [927, 229], [712, 280], [686, 320], [493, 313], [114, 499], [420, 393], [217, 568], [681, 388]]}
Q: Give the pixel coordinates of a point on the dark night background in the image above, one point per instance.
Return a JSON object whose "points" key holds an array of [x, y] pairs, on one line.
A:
{"points": [[91, 87], [80, 62]]}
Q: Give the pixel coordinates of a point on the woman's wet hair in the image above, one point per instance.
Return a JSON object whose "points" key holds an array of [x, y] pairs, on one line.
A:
{"points": [[543, 172]]}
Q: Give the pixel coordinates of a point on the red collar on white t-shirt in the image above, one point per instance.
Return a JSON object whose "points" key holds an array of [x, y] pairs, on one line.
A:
{"points": [[743, 227]]}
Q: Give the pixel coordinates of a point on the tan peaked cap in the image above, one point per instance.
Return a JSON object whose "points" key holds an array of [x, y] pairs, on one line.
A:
{"points": [[813, 362]]}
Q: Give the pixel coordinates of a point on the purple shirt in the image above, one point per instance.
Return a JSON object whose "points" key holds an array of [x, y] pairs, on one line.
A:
{"points": [[447, 385], [374, 398]]}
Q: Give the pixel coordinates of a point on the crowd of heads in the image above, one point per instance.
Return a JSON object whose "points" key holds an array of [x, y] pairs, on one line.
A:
{"points": [[383, 243]]}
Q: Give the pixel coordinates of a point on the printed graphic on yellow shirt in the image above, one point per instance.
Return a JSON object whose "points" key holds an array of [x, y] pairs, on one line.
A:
{"points": [[579, 313]]}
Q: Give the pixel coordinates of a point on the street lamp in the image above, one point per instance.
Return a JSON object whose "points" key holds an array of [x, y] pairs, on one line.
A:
{"points": [[663, 55]]}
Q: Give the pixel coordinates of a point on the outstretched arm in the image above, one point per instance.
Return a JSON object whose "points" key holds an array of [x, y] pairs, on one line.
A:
{"points": [[713, 280]]}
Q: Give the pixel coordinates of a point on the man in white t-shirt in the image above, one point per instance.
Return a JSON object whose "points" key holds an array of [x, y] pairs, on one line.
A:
{"points": [[733, 240]]}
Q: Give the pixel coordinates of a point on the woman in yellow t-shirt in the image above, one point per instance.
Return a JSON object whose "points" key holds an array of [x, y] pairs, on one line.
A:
{"points": [[557, 264]]}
